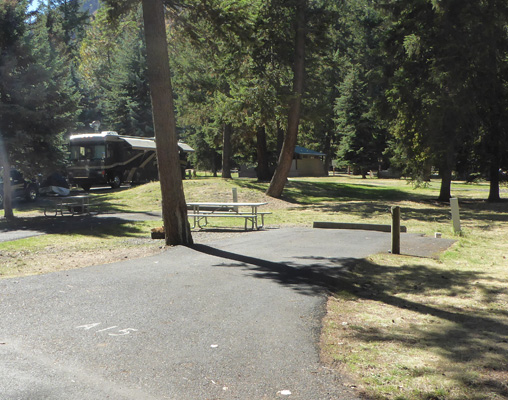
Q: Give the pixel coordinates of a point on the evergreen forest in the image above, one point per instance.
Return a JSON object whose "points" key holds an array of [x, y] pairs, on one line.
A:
{"points": [[415, 87]]}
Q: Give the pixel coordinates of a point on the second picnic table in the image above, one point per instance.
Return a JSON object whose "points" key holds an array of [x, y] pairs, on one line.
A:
{"points": [[201, 211], [68, 205]]}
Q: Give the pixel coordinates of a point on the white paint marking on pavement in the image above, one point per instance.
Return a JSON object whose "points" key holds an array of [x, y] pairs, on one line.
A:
{"points": [[88, 326], [106, 329]]}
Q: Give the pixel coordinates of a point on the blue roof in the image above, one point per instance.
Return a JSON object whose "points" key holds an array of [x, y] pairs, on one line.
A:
{"points": [[307, 152]]}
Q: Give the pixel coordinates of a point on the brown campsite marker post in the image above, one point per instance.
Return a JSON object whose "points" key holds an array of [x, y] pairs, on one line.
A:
{"points": [[396, 230]]}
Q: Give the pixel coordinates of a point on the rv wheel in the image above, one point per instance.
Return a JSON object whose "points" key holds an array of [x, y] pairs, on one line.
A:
{"points": [[117, 181]]}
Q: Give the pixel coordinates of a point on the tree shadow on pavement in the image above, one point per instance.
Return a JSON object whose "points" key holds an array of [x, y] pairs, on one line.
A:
{"points": [[309, 279], [467, 335]]}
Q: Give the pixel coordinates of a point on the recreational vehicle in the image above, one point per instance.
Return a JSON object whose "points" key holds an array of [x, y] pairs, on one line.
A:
{"points": [[108, 158]]}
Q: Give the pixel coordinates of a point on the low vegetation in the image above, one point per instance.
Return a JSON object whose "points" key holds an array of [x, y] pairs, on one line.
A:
{"points": [[398, 327]]}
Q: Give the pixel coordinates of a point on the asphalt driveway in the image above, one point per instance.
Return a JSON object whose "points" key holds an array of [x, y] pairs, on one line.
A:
{"points": [[235, 319]]}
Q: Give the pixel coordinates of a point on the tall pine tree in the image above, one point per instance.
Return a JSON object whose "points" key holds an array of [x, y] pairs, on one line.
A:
{"points": [[38, 101]]}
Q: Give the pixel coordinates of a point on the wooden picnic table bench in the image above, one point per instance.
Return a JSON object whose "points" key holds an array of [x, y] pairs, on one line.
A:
{"points": [[70, 205], [201, 211]]}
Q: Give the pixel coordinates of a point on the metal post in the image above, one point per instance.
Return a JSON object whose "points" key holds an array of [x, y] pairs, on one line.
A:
{"points": [[235, 198], [454, 204], [396, 230]]}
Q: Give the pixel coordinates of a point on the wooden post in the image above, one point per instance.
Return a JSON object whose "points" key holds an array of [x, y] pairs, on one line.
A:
{"points": [[454, 204], [396, 230]]}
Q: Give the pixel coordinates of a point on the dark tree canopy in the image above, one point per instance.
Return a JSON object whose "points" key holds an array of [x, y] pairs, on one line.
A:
{"points": [[421, 85]]}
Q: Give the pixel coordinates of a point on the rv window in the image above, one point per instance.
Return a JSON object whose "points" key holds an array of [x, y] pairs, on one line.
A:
{"points": [[100, 152], [88, 152]]}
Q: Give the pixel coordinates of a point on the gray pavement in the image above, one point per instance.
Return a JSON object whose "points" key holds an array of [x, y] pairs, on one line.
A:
{"points": [[235, 319], [9, 235]]}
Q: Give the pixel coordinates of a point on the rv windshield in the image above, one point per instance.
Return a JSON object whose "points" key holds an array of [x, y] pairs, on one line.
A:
{"points": [[88, 152]]}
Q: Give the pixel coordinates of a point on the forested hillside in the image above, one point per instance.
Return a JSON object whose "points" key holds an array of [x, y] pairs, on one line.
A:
{"points": [[418, 86]]}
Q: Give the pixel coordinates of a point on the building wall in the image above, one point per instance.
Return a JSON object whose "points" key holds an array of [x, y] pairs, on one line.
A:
{"points": [[299, 167], [307, 167]]}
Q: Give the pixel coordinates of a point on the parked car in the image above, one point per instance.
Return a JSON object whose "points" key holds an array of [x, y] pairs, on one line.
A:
{"points": [[20, 187]]}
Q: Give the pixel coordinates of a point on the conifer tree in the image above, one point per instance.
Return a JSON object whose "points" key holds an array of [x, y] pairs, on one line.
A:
{"points": [[447, 68], [360, 130], [38, 100], [431, 92], [126, 104]]}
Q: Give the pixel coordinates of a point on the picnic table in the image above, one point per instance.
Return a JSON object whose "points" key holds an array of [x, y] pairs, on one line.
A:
{"points": [[68, 205], [201, 211]]}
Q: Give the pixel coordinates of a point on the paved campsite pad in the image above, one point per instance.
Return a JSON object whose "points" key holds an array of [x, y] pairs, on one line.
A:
{"points": [[235, 319]]}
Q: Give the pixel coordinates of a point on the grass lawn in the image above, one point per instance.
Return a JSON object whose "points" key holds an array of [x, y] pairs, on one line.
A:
{"points": [[399, 327]]}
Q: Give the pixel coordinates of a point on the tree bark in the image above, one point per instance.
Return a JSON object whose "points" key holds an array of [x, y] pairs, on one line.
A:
{"points": [[174, 208], [280, 137], [494, 178], [494, 124], [263, 170], [427, 171], [227, 151], [447, 163], [445, 191], [494, 146], [7, 192], [327, 150], [288, 147]]}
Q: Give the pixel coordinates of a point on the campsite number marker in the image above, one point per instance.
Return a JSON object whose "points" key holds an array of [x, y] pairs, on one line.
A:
{"points": [[118, 332]]}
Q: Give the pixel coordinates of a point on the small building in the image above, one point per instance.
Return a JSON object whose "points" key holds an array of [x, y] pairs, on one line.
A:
{"points": [[307, 162]]}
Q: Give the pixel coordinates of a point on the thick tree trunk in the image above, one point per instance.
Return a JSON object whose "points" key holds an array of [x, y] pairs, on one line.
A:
{"points": [[286, 155], [280, 137], [446, 183], [174, 208], [327, 151], [427, 171], [495, 130], [447, 163], [227, 151], [494, 145], [494, 179], [263, 170], [7, 192]]}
